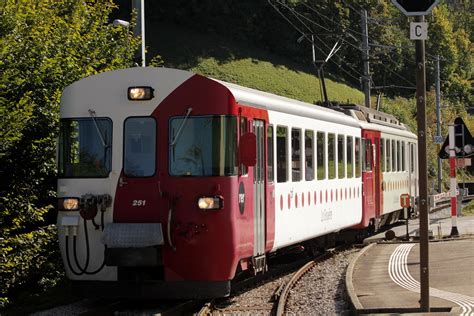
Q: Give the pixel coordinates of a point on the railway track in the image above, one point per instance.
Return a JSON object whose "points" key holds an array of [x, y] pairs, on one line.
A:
{"points": [[284, 292], [269, 298], [243, 301]]}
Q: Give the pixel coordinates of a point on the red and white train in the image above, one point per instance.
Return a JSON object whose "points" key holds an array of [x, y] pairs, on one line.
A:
{"points": [[170, 182]]}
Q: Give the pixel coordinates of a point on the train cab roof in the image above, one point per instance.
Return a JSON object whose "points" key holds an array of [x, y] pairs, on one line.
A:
{"points": [[272, 102]]}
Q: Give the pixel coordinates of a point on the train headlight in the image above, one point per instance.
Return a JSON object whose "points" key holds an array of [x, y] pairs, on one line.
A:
{"points": [[140, 93], [68, 204], [211, 202]]}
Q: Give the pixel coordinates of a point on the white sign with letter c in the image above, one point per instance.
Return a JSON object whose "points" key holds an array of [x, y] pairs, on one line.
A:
{"points": [[418, 30]]}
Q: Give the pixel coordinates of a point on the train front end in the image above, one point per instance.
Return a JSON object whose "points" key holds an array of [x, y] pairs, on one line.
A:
{"points": [[148, 185]]}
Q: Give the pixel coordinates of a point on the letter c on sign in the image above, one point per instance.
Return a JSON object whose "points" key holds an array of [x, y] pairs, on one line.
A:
{"points": [[418, 31]]}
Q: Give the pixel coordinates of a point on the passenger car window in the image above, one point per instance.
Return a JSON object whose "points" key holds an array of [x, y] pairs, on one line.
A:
{"points": [[309, 155], [341, 149], [321, 155], [350, 157], [296, 155], [270, 153], [382, 155], [331, 156], [282, 162]]}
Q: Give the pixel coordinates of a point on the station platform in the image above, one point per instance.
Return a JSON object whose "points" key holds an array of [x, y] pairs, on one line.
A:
{"points": [[384, 278]]}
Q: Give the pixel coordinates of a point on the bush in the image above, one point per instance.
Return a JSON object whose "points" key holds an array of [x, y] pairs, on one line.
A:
{"points": [[29, 261], [45, 46]]}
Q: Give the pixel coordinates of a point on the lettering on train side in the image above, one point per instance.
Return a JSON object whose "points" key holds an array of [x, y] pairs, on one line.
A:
{"points": [[326, 215], [241, 198]]}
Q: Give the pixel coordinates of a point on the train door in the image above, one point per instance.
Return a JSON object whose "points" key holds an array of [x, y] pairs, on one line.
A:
{"points": [[134, 201], [371, 198], [259, 199]]}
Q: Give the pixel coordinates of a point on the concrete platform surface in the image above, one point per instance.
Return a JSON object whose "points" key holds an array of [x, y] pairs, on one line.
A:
{"points": [[384, 278]]}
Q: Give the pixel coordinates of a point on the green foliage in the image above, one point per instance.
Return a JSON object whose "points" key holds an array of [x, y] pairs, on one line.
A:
{"points": [[468, 210], [280, 80], [29, 261], [44, 46]]}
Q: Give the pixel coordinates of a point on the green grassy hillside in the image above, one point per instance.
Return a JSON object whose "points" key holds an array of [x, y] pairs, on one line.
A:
{"points": [[236, 62]]}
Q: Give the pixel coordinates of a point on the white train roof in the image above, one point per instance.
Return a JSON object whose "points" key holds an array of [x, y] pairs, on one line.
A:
{"points": [[272, 102]]}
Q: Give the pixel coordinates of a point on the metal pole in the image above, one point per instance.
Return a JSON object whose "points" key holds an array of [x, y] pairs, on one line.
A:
{"points": [[438, 121], [452, 182], [139, 29], [365, 57], [405, 213], [423, 175], [321, 76]]}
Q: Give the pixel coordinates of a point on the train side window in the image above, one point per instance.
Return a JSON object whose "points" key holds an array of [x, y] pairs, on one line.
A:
{"points": [[367, 155], [394, 156], [270, 169], [341, 166], [139, 147], [321, 155], [243, 130], [399, 156], [309, 155], [388, 153], [350, 157], [331, 156], [282, 162], [382, 155], [412, 158], [403, 157], [357, 154], [295, 155]]}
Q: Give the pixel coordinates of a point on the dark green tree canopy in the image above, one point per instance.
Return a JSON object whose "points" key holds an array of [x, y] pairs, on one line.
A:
{"points": [[44, 46]]}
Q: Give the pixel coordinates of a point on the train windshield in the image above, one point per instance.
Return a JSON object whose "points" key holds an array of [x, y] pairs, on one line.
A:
{"points": [[203, 146], [85, 148]]}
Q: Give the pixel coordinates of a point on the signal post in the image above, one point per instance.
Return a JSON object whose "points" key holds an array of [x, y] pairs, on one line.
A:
{"points": [[418, 32], [453, 182]]}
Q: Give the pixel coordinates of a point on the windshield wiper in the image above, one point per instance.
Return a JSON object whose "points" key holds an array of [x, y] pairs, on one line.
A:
{"points": [[175, 139], [94, 116]]}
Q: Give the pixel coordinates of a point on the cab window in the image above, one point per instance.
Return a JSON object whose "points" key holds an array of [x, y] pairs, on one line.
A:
{"points": [[139, 147]]}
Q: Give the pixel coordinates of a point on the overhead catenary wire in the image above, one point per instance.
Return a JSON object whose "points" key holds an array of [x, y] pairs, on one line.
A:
{"points": [[356, 47], [296, 14], [317, 47], [341, 60], [350, 31]]}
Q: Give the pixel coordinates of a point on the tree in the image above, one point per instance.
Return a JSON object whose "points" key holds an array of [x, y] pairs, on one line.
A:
{"points": [[44, 46]]}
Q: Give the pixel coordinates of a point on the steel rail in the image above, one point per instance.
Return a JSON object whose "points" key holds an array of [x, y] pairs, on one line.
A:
{"points": [[283, 294]]}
